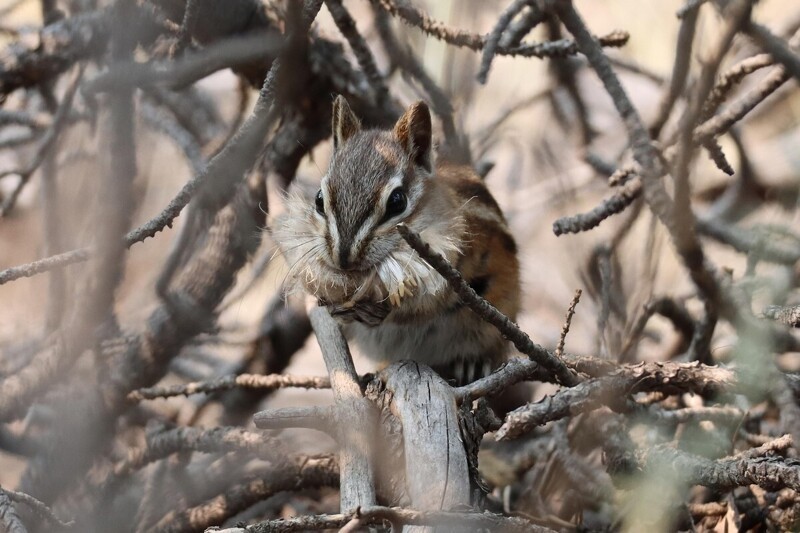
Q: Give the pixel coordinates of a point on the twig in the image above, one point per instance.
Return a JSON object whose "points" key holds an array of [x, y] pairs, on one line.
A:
{"points": [[781, 444], [190, 14], [720, 414], [286, 475], [354, 415], [747, 241], [563, 47], [229, 53], [344, 21], [9, 519], [689, 6], [493, 40], [718, 157], [669, 309], [565, 73], [737, 110], [683, 228], [771, 473], [559, 352], [53, 234], [214, 440], [149, 229], [789, 315], [58, 47], [164, 124], [45, 144], [439, 30], [614, 389], [645, 154], [320, 418], [465, 521], [732, 77], [486, 310], [440, 103], [625, 196], [39, 508], [531, 17], [114, 215], [25, 118], [246, 381], [776, 47], [680, 68]]}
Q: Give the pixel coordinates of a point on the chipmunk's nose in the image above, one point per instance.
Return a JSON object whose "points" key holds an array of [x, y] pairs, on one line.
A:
{"points": [[344, 255]]}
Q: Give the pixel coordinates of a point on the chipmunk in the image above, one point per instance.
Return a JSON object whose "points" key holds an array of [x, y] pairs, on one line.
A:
{"points": [[343, 247]]}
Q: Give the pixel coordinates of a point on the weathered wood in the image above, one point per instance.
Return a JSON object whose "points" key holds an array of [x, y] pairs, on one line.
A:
{"points": [[312, 417], [355, 417], [437, 475]]}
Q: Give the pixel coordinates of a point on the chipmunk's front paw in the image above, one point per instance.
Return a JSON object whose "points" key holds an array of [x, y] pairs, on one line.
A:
{"points": [[403, 290], [368, 313]]}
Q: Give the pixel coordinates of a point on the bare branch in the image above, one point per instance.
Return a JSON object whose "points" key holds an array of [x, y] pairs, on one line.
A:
{"points": [[42, 511], [567, 321], [614, 389], [486, 310], [625, 196], [366, 516]]}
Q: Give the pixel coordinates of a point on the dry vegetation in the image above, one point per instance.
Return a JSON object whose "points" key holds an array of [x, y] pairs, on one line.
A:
{"points": [[154, 378]]}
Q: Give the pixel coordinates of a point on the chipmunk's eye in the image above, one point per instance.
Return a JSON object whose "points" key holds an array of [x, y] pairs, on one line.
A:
{"points": [[320, 203], [396, 204]]}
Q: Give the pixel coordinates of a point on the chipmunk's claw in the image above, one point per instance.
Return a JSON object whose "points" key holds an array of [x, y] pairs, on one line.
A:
{"points": [[396, 297]]}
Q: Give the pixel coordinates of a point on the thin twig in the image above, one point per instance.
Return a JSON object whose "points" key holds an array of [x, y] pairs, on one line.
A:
{"points": [[486, 310], [622, 198], [567, 321], [613, 390], [776, 47], [47, 141], [344, 21], [290, 474], [39, 508], [366, 516], [493, 40], [245, 381], [456, 37]]}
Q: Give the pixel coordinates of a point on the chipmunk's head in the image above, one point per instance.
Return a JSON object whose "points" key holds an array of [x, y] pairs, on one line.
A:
{"points": [[376, 179]]}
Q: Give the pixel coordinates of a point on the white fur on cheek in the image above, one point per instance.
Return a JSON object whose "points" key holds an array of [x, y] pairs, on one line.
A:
{"points": [[300, 236], [404, 264]]}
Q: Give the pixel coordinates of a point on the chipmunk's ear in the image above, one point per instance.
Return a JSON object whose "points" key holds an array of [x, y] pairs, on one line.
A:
{"points": [[345, 122], [413, 132]]}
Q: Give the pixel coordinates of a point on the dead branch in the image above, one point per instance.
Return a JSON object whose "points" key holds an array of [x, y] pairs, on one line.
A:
{"points": [[215, 440], [45, 144], [230, 53], [626, 195], [354, 415], [567, 321], [437, 477], [486, 311], [246, 381], [8, 515], [310, 472], [42, 511], [772, 473], [787, 315], [367, 516], [614, 390]]}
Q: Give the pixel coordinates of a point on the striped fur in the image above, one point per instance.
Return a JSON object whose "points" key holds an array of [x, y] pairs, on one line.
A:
{"points": [[394, 305]]}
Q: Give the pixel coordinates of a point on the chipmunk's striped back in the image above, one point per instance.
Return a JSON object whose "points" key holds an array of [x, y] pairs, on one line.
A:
{"points": [[344, 248]]}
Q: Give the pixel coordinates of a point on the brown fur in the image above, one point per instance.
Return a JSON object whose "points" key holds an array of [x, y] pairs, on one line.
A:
{"points": [[351, 257]]}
